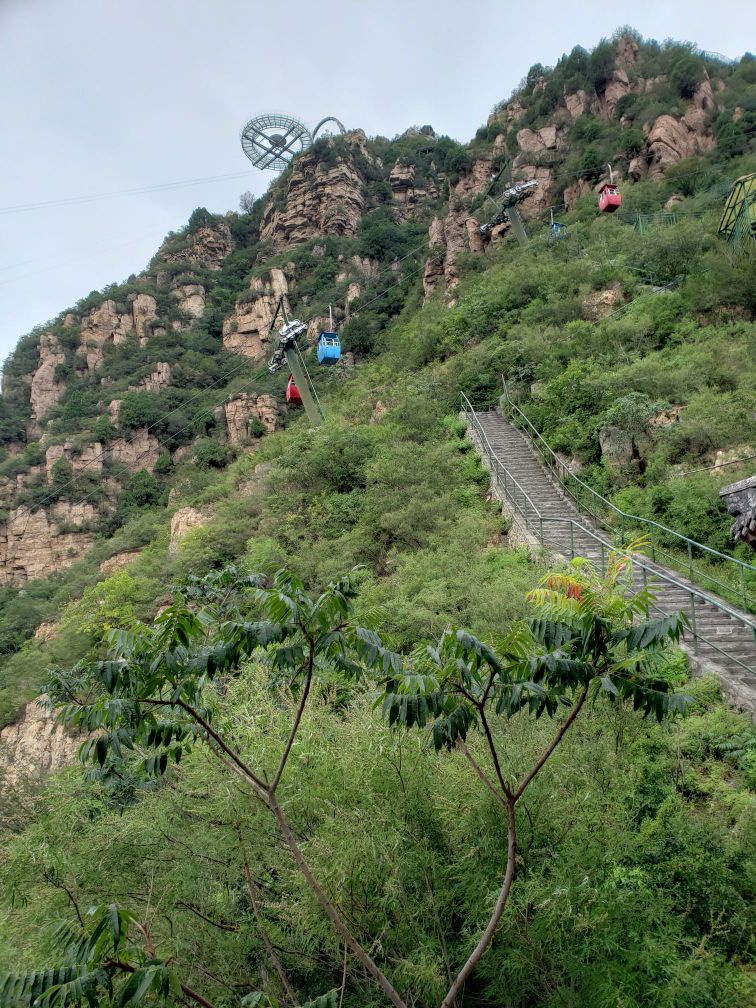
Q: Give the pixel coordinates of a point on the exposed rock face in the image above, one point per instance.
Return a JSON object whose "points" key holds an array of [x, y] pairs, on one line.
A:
{"points": [[109, 323], [45, 391], [33, 545], [158, 380], [617, 448], [114, 410], [118, 561], [322, 199], [140, 452], [576, 103], [190, 298], [537, 142], [240, 410], [34, 746], [671, 140], [45, 631], [246, 331], [143, 313], [208, 246], [459, 232], [740, 499], [598, 305], [183, 521], [87, 459]]}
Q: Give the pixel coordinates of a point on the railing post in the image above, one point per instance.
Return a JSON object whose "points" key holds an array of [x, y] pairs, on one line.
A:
{"points": [[690, 561], [601, 544], [572, 539], [743, 599], [693, 621], [540, 525], [622, 529]]}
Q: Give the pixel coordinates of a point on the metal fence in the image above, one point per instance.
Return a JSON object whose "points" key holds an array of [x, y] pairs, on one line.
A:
{"points": [[562, 533]]}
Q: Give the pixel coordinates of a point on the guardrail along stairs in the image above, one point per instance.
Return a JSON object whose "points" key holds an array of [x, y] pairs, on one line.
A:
{"points": [[721, 635]]}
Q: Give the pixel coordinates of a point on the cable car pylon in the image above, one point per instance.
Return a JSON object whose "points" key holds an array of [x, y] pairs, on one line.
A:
{"points": [[288, 351]]}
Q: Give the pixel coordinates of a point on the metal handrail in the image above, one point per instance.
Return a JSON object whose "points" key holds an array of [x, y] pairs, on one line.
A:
{"points": [[692, 591], [625, 518]]}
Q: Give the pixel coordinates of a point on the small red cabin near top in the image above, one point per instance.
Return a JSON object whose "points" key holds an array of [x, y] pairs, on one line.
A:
{"points": [[609, 198]]}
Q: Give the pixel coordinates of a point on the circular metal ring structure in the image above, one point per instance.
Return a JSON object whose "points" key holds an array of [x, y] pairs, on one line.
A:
{"points": [[272, 140]]}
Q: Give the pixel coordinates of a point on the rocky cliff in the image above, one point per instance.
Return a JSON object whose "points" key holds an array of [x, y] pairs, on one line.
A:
{"points": [[112, 386]]}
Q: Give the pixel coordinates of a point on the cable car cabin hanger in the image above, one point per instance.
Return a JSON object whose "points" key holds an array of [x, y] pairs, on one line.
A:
{"points": [[299, 387], [610, 198]]}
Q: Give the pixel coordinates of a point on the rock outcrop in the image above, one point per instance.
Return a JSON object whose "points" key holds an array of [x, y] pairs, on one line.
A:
{"points": [[207, 246], [118, 561], [140, 451], [190, 298], [671, 140], [35, 544], [111, 323], [157, 380], [246, 331], [45, 391], [323, 198], [183, 521], [88, 458], [240, 410], [34, 746]]}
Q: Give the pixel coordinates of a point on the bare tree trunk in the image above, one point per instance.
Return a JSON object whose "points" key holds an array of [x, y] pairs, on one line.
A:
{"points": [[332, 913], [501, 902]]}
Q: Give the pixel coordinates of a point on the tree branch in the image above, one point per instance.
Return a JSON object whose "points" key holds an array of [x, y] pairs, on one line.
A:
{"points": [[481, 773], [192, 995], [489, 738], [252, 892], [535, 769], [218, 924], [330, 910], [234, 757], [501, 902], [297, 719]]}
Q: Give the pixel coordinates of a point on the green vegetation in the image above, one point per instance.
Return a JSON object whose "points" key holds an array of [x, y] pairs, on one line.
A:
{"points": [[242, 717]]}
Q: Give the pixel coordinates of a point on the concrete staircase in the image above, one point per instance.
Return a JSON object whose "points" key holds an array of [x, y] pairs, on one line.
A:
{"points": [[721, 639]]}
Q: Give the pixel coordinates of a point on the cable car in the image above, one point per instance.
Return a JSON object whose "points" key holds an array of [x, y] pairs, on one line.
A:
{"points": [[556, 228], [292, 392], [329, 348], [610, 198]]}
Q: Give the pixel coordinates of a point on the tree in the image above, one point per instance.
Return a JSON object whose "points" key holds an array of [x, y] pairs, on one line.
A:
{"points": [[583, 642], [155, 697], [247, 202], [157, 700], [686, 73]]}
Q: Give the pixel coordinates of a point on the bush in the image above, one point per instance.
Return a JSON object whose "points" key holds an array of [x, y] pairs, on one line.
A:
{"points": [[209, 454], [686, 73]]}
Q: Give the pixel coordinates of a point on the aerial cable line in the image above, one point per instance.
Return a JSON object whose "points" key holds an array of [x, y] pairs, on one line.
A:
{"points": [[142, 190]]}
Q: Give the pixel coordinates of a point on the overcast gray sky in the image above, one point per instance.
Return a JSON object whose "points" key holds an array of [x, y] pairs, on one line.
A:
{"points": [[99, 96]]}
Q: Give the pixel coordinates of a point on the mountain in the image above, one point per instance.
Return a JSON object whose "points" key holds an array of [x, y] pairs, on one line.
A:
{"points": [[146, 447]]}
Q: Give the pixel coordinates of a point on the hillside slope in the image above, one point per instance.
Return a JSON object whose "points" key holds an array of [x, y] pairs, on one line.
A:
{"points": [[147, 446]]}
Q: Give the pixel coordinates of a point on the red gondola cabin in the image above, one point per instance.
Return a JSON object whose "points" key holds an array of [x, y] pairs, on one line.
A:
{"points": [[609, 198], [292, 392]]}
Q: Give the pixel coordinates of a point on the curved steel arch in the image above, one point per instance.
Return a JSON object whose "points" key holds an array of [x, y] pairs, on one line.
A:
{"points": [[333, 119]]}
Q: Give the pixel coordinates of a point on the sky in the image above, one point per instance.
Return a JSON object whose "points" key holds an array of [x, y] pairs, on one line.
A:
{"points": [[101, 96]]}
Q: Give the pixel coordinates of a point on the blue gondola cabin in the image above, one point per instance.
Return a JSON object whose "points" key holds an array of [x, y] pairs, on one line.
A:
{"points": [[292, 392], [329, 348]]}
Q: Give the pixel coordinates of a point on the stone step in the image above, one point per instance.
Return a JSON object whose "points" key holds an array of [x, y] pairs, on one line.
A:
{"points": [[565, 527]]}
